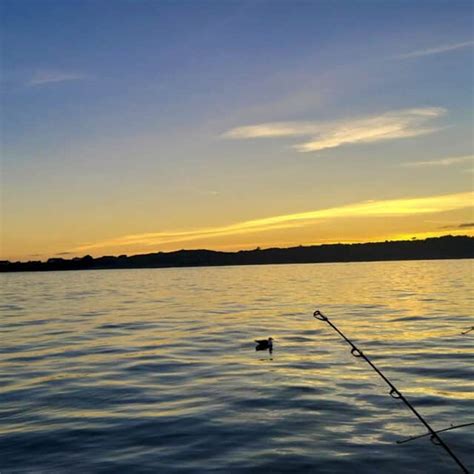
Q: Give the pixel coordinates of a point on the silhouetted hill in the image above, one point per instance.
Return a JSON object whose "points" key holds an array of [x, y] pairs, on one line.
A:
{"points": [[447, 247]]}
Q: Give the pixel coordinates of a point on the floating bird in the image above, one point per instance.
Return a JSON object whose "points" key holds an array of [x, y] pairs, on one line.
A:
{"points": [[264, 344]]}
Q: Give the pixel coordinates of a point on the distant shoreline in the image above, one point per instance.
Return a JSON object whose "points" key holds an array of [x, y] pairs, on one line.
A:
{"points": [[437, 248]]}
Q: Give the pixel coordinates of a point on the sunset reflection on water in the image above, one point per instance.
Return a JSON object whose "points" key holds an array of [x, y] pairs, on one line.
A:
{"points": [[157, 368]]}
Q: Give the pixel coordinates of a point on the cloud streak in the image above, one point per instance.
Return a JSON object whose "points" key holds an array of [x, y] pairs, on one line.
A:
{"points": [[437, 50], [323, 135], [464, 225], [48, 77], [385, 208], [453, 160]]}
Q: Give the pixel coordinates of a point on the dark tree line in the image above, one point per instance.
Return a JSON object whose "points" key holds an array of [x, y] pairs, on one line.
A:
{"points": [[448, 247]]}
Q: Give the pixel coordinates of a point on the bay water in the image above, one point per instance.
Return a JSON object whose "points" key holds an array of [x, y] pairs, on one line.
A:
{"points": [[155, 370]]}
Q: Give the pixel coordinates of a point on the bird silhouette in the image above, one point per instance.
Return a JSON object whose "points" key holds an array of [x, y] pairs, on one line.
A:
{"points": [[264, 344]]}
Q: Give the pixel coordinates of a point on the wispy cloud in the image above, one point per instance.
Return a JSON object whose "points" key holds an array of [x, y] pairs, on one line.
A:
{"points": [[47, 77], [464, 225], [388, 126], [436, 50], [453, 160], [385, 208]]}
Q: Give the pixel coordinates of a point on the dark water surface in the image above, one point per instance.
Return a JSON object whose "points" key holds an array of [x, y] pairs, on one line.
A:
{"points": [[155, 370]]}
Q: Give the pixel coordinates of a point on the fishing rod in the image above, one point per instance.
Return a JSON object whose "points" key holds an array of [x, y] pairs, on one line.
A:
{"points": [[394, 392], [452, 427]]}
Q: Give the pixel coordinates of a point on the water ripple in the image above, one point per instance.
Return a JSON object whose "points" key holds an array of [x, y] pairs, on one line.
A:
{"points": [[155, 370]]}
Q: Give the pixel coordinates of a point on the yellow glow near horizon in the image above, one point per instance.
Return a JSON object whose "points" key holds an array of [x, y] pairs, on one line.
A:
{"points": [[370, 209]]}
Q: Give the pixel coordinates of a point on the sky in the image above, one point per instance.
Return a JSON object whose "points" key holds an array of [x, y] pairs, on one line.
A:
{"points": [[139, 126]]}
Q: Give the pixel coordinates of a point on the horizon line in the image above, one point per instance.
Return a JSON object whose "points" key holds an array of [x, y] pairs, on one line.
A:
{"points": [[58, 257]]}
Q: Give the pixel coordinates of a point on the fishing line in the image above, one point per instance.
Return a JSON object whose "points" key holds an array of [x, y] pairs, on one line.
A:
{"points": [[394, 392], [452, 427]]}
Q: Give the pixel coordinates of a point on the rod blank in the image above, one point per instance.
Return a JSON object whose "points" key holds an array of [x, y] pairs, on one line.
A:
{"points": [[394, 392]]}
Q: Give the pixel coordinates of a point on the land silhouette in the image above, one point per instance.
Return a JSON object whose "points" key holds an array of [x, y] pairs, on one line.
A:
{"points": [[447, 247]]}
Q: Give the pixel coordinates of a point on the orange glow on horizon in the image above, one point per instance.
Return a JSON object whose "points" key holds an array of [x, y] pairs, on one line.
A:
{"points": [[370, 221]]}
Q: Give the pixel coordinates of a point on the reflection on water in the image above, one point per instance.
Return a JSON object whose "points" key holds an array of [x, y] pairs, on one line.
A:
{"points": [[156, 370]]}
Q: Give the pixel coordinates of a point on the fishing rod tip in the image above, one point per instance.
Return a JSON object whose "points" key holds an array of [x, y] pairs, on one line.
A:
{"points": [[318, 315]]}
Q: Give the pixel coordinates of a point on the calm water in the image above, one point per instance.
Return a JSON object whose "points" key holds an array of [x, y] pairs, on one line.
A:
{"points": [[155, 370]]}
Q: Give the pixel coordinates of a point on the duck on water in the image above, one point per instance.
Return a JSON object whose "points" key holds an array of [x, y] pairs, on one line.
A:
{"points": [[264, 344]]}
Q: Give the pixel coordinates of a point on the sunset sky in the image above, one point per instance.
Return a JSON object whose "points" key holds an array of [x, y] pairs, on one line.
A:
{"points": [[141, 126]]}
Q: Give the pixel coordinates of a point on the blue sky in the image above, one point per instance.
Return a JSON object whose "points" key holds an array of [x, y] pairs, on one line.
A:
{"points": [[123, 118]]}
